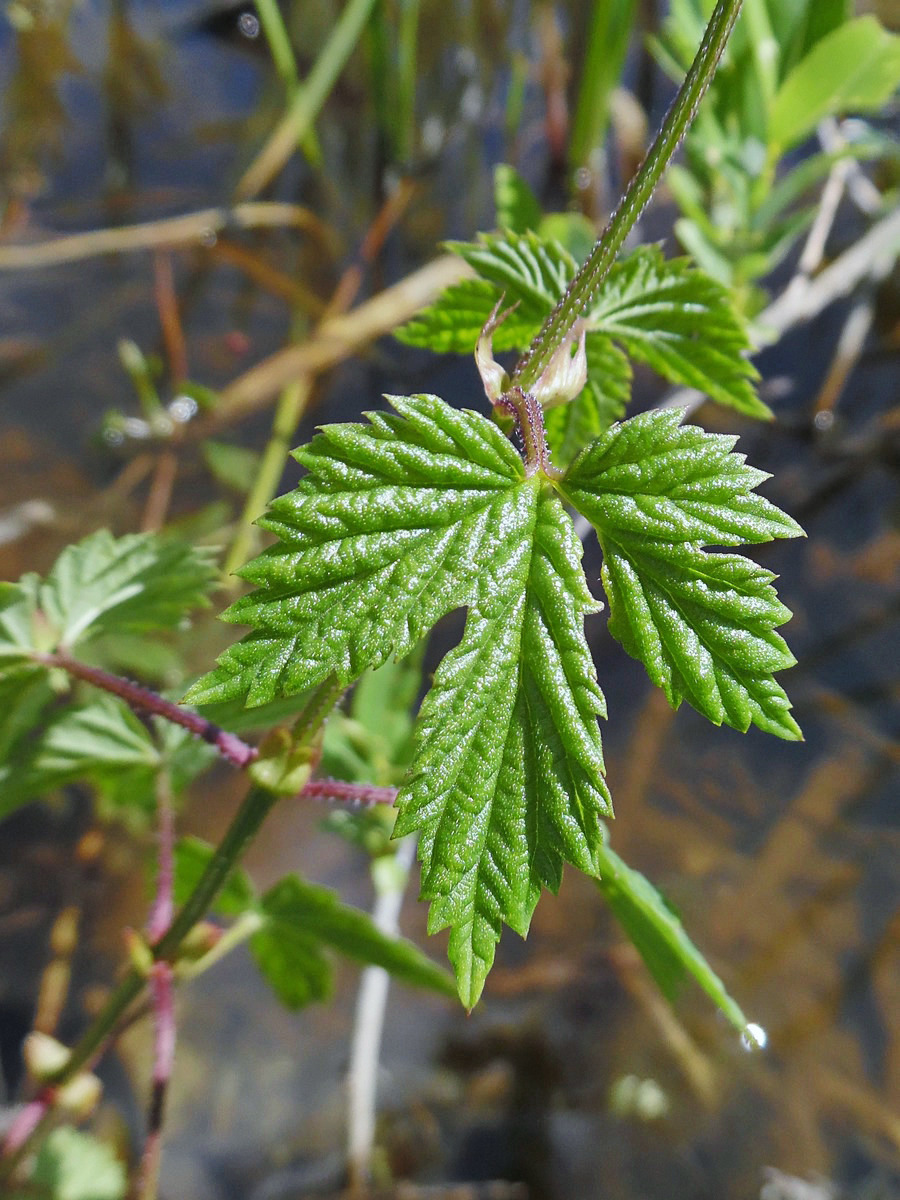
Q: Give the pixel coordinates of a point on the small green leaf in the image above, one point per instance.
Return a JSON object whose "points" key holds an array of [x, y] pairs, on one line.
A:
{"points": [[74, 1166], [855, 68], [18, 634], [515, 202], [294, 964], [453, 324], [658, 935], [137, 583], [300, 914], [681, 323], [702, 624], [524, 267], [101, 743], [302, 923]]}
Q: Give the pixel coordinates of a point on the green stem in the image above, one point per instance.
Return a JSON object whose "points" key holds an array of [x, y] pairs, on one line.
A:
{"points": [[583, 288], [308, 99], [282, 53], [279, 41], [607, 44], [244, 827]]}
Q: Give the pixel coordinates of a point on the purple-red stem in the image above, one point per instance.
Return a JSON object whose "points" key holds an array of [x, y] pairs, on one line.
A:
{"points": [[27, 1120], [232, 748], [238, 752], [161, 979]]}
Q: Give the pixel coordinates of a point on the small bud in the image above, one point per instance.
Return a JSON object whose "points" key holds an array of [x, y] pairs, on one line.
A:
{"points": [[282, 767], [201, 940], [493, 376], [44, 1056], [565, 375], [80, 1096], [139, 952]]}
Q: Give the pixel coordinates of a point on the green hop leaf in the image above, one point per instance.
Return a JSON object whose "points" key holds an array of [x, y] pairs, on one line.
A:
{"points": [[397, 524], [702, 624]]}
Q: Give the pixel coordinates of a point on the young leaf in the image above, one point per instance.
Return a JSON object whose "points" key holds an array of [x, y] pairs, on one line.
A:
{"points": [[527, 268], [298, 911], [453, 324], [702, 624], [678, 321], [74, 1166], [658, 935], [515, 202], [301, 922], [102, 743], [136, 583], [855, 68], [398, 523]]}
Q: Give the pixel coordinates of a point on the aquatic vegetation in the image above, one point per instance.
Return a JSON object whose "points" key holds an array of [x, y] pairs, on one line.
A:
{"points": [[399, 521]]}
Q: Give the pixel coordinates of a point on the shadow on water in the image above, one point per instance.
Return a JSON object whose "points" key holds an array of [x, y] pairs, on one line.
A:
{"points": [[572, 1076]]}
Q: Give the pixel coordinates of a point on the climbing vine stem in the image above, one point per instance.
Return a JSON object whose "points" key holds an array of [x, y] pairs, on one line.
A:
{"points": [[584, 286]]}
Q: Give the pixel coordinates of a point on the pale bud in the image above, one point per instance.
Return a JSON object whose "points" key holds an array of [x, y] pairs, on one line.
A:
{"points": [[495, 379], [565, 374]]}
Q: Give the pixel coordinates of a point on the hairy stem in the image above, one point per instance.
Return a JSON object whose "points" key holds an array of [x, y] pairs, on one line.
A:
{"points": [[238, 752], [584, 286]]}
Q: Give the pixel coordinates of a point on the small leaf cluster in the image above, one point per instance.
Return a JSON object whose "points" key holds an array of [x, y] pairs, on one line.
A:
{"points": [[786, 67], [100, 590], [664, 313], [427, 509]]}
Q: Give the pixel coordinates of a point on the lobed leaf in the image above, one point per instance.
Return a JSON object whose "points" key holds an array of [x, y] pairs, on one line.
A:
{"points": [[137, 583], [680, 322], [507, 781], [396, 524], [702, 623]]}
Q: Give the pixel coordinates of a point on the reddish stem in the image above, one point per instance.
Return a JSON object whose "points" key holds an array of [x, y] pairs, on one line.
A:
{"points": [[27, 1120], [229, 745], [353, 793], [161, 978]]}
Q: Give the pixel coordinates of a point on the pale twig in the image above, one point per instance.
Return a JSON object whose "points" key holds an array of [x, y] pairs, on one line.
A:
{"points": [[333, 341], [368, 1026], [202, 226], [862, 191]]}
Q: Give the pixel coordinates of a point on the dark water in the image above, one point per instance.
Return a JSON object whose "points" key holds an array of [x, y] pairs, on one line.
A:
{"points": [[781, 858]]}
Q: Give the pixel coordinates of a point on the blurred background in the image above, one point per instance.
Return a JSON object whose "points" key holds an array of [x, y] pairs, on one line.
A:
{"points": [[125, 401]]}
